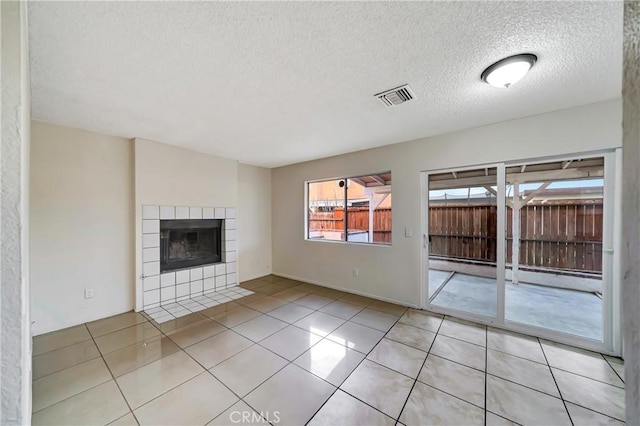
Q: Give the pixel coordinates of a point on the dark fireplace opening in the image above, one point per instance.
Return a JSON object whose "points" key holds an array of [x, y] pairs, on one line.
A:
{"points": [[188, 243]]}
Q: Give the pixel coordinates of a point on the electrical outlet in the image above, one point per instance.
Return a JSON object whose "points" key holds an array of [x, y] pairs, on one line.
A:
{"points": [[356, 272], [88, 293]]}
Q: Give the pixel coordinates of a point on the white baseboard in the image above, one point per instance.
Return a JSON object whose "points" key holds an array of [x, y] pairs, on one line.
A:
{"points": [[346, 290], [255, 277]]}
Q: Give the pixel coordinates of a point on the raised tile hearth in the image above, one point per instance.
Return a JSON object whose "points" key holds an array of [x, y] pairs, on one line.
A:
{"points": [[168, 312]]}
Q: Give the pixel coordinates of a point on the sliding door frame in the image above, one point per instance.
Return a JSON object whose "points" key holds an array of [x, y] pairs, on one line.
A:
{"points": [[611, 342]]}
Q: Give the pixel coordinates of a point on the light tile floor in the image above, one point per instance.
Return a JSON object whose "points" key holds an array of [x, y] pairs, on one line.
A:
{"points": [[295, 353]]}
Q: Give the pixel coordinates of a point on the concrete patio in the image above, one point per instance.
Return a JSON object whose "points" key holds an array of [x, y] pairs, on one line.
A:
{"points": [[569, 311]]}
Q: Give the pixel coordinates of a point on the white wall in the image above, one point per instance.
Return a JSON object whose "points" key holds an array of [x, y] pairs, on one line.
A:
{"points": [[15, 356], [81, 226], [168, 175], [254, 222], [394, 272]]}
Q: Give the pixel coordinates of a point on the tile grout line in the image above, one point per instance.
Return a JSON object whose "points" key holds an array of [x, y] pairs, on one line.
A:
{"points": [[462, 340], [587, 377], [486, 370], [524, 386], [451, 395], [113, 377], [74, 395], [614, 370], [421, 367], [516, 356], [555, 381], [58, 371], [61, 347]]}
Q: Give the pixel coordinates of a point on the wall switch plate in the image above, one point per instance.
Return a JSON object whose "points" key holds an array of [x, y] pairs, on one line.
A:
{"points": [[356, 272], [88, 293], [408, 232]]}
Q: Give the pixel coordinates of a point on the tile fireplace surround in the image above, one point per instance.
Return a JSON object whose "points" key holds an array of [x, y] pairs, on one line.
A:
{"points": [[178, 286]]}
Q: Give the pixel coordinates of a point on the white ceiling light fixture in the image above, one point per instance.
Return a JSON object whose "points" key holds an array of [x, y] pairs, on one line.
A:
{"points": [[509, 70]]}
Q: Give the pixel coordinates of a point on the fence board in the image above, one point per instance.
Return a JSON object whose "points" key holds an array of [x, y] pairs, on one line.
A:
{"points": [[563, 235]]}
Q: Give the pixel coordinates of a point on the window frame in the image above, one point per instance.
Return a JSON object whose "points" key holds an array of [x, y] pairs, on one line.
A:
{"points": [[344, 240]]}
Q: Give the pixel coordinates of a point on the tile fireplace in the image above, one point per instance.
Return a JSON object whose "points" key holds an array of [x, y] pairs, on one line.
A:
{"points": [[187, 252]]}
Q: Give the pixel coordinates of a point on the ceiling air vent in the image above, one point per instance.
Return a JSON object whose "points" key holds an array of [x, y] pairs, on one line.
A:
{"points": [[396, 96]]}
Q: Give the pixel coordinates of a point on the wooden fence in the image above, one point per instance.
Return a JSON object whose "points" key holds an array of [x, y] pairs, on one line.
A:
{"points": [[358, 220], [563, 235]]}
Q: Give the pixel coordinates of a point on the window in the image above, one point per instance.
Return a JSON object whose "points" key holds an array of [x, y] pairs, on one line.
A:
{"points": [[356, 209]]}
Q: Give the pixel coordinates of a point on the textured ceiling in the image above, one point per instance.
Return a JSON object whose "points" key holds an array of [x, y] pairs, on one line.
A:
{"points": [[278, 83]]}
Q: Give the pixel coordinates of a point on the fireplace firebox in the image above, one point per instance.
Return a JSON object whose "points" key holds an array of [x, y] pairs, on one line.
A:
{"points": [[190, 242]]}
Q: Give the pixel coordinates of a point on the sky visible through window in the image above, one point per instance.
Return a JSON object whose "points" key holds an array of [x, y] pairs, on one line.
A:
{"points": [[463, 192]]}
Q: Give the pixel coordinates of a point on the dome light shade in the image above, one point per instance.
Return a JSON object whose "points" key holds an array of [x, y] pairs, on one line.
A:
{"points": [[509, 70]]}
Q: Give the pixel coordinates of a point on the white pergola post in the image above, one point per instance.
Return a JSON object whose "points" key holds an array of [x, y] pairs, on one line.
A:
{"points": [[515, 249], [372, 208], [373, 205]]}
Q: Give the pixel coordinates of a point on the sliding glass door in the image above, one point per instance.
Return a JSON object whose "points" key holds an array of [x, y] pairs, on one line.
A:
{"points": [[463, 240], [525, 246], [554, 246]]}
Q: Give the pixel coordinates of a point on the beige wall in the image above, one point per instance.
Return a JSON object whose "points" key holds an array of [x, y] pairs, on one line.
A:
{"points": [[168, 175], [87, 190], [81, 226], [394, 272], [254, 222]]}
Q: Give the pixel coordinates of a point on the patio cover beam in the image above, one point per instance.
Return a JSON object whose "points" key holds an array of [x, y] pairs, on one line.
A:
{"points": [[536, 192], [359, 181], [378, 179], [543, 176]]}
